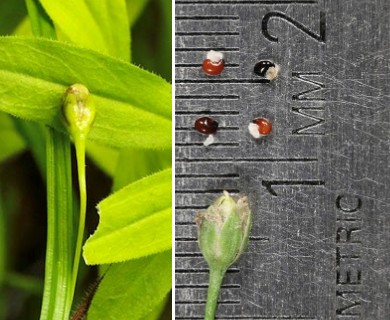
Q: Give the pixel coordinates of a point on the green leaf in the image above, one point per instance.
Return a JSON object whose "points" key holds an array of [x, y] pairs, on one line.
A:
{"points": [[24, 28], [11, 143], [165, 36], [11, 14], [134, 164], [134, 9], [133, 106], [41, 24], [104, 157], [101, 25], [156, 313], [33, 133], [152, 38], [133, 289], [134, 221], [116, 42]]}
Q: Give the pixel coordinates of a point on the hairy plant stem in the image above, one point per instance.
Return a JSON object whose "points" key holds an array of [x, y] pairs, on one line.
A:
{"points": [[215, 282]]}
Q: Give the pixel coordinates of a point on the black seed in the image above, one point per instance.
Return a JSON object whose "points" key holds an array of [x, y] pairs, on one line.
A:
{"points": [[262, 67], [206, 125]]}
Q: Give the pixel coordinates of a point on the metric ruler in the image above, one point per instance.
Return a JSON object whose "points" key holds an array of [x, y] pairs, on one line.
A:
{"points": [[318, 185]]}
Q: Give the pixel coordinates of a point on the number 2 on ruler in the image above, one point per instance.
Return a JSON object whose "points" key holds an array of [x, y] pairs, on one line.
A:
{"points": [[319, 37]]}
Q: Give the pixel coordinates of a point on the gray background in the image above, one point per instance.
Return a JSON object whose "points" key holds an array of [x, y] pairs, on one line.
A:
{"points": [[328, 154]]}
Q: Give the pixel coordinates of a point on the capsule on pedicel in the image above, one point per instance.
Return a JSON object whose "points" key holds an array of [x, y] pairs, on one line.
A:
{"points": [[214, 63], [266, 69], [223, 230], [260, 127], [206, 125], [78, 110], [223, 235]]}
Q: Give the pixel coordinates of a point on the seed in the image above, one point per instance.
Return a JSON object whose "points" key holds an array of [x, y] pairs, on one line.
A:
{"points": [[260, 127], [266, 69], [265, 127], [212, 69], [214, 63], [206, 125]]}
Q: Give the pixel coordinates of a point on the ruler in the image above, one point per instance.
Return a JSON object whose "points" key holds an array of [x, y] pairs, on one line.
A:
{"points": [[318, 186]]}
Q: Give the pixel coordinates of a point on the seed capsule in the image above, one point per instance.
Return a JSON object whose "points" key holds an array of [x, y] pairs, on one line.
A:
{"points": [[266, 69], [223, 235], [206, 125], [214, 63], [260, 127], [78, 110], [223, 230]]}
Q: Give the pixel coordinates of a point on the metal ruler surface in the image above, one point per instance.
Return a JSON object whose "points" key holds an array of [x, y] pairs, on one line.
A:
{"points": [[318, 186]]}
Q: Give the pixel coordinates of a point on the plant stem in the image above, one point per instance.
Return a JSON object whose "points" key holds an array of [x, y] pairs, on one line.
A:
{"points": [[79, 142], [57, 297], [60, 275], [215, 282]]}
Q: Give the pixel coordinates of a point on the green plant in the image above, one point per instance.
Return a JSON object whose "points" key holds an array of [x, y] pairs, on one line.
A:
{"points": [[223, 235], [88, 42]]}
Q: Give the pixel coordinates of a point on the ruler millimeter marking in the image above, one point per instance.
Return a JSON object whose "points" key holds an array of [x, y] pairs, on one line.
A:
{"points": [[318, 185]]}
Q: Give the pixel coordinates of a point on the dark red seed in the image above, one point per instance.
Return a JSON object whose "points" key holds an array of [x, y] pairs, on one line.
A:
{"points": [[213, 68], [265, 126], [206, 125]]}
